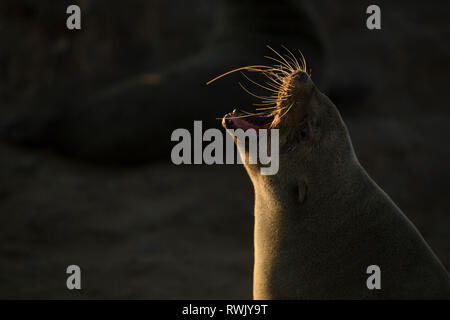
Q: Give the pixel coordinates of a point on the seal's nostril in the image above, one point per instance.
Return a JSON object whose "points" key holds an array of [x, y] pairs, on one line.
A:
{"points": [[303, 76]]}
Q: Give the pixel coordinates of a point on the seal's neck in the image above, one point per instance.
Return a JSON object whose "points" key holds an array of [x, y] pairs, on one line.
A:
{"points": [[325, 188], [286, 229]]}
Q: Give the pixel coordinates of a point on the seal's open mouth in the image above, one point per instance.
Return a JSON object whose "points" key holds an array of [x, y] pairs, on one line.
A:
{"points": [[244, 121], [280, 82]]}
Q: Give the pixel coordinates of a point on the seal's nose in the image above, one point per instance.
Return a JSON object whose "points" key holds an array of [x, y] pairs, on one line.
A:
{"points": [[301, 76], [301, 83]]}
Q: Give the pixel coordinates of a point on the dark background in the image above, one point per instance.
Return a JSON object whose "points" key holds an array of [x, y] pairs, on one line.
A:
{"points": [[78, 184]]}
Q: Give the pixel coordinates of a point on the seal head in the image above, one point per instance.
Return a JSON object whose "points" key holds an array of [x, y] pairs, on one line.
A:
{"points": [[312, 134]]}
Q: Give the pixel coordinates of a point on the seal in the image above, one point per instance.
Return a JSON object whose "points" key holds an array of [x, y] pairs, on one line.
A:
{"points": [[321, 221]]}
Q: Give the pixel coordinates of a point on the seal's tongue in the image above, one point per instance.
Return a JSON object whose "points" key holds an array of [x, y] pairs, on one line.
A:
{"points": [[244, 120], [245, 124]]}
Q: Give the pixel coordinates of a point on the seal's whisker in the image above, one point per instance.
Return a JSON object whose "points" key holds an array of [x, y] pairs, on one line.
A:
{"points": [[259, 85], [275, 68], [293, 56], [265, 104], [287, 63], [273, 101], [255, 114], [281, 66], [273, 76], [297, 67], [275, 86], [256, 68], [303, 61], [271, 98], [289, 108], [275, 79], [267, 108], [251, 93], [248, 114]]}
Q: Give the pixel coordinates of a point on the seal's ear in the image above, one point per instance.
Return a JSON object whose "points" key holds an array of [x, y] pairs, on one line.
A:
{"points": [[301, 191]]}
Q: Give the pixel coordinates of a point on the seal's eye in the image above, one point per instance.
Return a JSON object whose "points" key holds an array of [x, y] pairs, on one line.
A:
{"points": [[297, 136], [304, 130]]}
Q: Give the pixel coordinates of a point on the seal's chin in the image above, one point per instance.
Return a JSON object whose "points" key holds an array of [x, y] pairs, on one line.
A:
{"points": [[244, 121]]}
